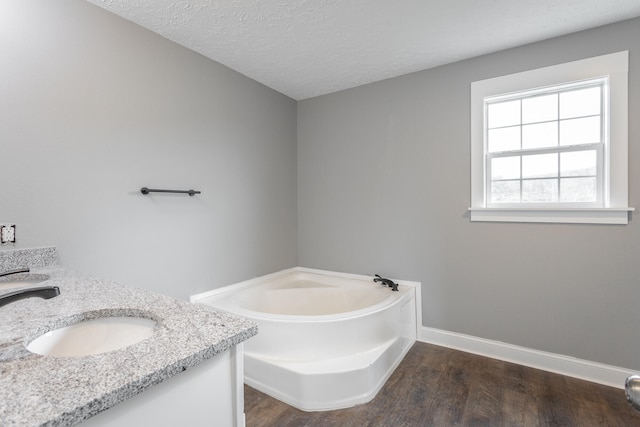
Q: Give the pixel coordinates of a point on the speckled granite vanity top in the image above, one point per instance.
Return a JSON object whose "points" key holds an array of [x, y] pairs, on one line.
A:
{"points": [[37, 390]]}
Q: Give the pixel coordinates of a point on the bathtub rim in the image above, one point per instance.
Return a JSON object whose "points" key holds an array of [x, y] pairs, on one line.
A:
{"points": [[237, 287], [392, 299]]}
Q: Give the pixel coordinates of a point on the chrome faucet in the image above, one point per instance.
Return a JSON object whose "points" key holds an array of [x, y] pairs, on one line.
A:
{"points": [[387, 282], [45, 292], [10, 272]]}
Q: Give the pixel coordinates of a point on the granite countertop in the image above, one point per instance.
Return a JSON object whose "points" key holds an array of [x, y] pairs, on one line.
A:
{"points": [[45, 390]]}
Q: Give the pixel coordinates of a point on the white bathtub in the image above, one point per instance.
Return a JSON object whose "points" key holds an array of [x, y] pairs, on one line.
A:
{"points": [[325, 340]]}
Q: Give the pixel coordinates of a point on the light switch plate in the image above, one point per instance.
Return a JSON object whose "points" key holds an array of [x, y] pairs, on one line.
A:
{"points": [[8, 234]]}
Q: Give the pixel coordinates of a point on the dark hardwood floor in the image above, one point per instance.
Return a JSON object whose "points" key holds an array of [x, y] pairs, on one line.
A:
{"points": [[437, 386]]}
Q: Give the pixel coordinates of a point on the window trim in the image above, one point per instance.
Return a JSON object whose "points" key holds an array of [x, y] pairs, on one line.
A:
{"points": [[615, 192]]}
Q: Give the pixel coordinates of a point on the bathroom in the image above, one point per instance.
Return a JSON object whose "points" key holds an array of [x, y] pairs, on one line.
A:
{"points": [[373, 179]]}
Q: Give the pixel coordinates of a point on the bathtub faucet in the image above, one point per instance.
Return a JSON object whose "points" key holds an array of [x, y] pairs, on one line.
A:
{"points": [[387, 282]]}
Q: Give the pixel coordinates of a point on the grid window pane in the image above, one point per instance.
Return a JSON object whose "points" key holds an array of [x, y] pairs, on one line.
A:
{"points": [[540, 108], [546, 145], [505, 192], [503, 114], [540, 135], [578, 190], [505, 168], [540, 190], [540, 166], [504, 139], [580, 103], [578, 163], [580, 131]]}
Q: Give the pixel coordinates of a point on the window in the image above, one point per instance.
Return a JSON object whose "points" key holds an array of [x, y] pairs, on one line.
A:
{"points": [[546, 146], [550, 145]]}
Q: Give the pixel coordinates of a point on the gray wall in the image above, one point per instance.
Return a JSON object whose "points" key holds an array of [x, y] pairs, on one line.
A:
{"points": [[384, 186], [93, 107]]}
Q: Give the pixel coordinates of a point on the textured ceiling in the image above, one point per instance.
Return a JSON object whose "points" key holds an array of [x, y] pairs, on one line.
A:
{"points": [[306, 48]]}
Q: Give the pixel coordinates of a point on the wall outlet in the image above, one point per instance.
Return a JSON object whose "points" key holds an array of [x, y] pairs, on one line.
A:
{"points": [[7, 234]]}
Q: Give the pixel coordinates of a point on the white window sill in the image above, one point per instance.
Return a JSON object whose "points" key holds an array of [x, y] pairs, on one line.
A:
{"points": [[555, 215]]}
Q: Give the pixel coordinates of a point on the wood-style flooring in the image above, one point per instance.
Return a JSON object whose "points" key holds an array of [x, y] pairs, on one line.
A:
{"points": [[437, 386]]}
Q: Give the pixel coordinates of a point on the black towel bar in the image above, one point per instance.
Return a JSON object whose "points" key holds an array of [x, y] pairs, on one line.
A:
{"points": [[145, 190]]}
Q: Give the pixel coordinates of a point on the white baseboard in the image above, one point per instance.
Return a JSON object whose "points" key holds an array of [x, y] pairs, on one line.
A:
{"points": [[600, 373]]}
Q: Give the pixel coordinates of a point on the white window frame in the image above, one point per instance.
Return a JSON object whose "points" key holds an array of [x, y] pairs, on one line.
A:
{"points": [[614, 209]]}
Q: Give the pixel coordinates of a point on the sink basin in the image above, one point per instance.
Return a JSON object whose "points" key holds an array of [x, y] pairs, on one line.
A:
{"points": [[93, 336], [22, 280]]}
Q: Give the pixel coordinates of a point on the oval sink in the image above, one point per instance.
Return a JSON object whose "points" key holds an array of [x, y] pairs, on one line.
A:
{"points": [[22, 280], [93, 336]]}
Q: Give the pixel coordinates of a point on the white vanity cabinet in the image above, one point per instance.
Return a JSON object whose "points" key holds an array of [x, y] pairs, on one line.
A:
{"points": [[209, 394]]}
